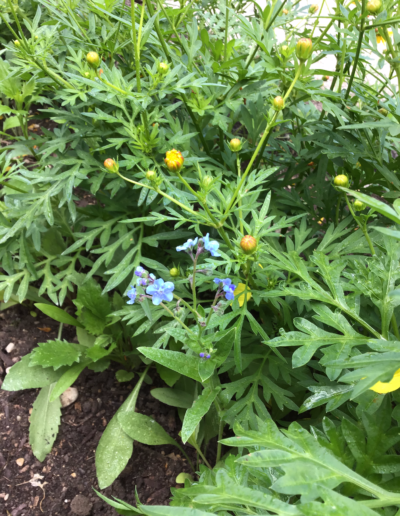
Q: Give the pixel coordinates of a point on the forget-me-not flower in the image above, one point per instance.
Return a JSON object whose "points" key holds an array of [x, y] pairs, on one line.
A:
{"points": [[139, 271], [228, 287], [160, 291], [132, 295], [187, 246], [212, 247]]}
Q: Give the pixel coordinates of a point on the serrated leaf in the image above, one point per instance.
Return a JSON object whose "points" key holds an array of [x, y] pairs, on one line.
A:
{"points": [[55, 353]]}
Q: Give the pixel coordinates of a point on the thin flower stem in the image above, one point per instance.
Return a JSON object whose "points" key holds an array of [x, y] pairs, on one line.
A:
{"points": [[239, 170], [220, 435], [60, 329], [171, 313], [259, 146], [337, 209], [360, 38], [227, 5], [362, 225], [194, 285]]}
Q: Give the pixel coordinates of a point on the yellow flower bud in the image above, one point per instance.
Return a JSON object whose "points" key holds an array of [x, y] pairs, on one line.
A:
{"points": [[174, 272], [111, 165], [93, 60], [248, 244], [285, 11], [341, 180], [235, 145], [325, 77], [174, 160], [304, 49], [358, 205], [151, 175], [383, 111], [313, 9], [17, 43], [374, 6], [163, 68], [278, 103]]}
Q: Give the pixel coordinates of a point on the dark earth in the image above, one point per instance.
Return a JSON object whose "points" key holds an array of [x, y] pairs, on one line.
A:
{"points": [[68, 472]]}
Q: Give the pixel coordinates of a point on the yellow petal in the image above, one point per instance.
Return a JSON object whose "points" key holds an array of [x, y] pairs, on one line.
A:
{"points": [[260, 265], [239, 289], [385, 387]]}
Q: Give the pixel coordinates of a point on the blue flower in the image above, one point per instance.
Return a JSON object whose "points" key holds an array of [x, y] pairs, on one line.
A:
{"points": [[160, 291], [142, 282], [139, 271], [201, 355], [228, 287], [132, 295], [187, 246], [211, 246]]}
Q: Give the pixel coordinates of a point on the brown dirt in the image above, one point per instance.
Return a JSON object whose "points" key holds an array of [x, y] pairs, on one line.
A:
{"points": [[69, 470]]}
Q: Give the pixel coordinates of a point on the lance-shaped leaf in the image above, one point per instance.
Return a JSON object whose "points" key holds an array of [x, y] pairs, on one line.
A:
{"points": [[199, 408]]}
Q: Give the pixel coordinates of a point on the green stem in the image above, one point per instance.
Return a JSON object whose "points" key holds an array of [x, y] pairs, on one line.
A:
{"points": [[157, 29], [226, 29], [259, 146], [60, 328], [359, 43], [136, 46], [220, 435], [194, 285], [240, 200], [393, 52], [337, 209], [362, 225], [177, 319], [395, 327]]}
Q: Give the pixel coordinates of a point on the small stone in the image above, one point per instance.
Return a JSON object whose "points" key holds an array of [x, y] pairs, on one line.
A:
{"points": [[69, 396], [20, 462], [15, 359], [73, 475], [10, 347], [8, 370], [81, 505]]}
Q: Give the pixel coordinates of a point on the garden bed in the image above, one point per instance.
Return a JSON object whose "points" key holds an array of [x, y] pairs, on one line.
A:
{"points": [[70, 468]]}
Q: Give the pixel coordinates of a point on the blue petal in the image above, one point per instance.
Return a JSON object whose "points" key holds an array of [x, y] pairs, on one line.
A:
{"points": [[168, 296], [217, 280], [229, 295], [169, 286], [151, 289], [156, 299]]}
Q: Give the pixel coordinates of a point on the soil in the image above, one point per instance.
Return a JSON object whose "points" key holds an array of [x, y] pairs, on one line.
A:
{"points": [[68, 472]]}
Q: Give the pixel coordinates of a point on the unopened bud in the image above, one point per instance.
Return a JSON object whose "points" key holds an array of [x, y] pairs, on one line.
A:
{"points": [[235, 145], [325, 77], [285, 11], [374, 6], [284, 49], [278, 103], [17, 43], [151, 175], [207, 182], [174, 160], [174, 272], [163, 68], [248, 244], [313, 9], [111, 165], [341, 180], [358, 205], [304, 49], [383, 111], [93, 60]]}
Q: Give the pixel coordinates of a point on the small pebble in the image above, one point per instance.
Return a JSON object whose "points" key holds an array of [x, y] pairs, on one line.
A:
{"points": [[10, 347], [69, 396], [20, 462]]}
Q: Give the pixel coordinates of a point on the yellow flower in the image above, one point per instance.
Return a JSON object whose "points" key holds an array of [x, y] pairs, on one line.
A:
{"points": [[379, 39], [174, 160], [385, 387], [239, 289]]}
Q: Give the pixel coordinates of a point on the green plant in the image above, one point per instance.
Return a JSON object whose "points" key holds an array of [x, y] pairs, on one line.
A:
{"points": [[196, 123]]}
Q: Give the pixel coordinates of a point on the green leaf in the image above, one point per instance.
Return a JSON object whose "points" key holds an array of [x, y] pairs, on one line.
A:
{"points": [[144, 429], [379, 206], [170, 377], [45, 420], [22, 376], [334, 505], [199, 408], [58, 314], [180, 479], [173, 397], [124, 376], [179, 362], [55, 353], [163, 510], [115, 446]]}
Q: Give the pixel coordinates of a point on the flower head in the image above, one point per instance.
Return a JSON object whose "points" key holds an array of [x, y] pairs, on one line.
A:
{"points": [[187, 246], [93, 59], [248, 244], [341, 180], [278, 103], [227, 286], [374, 6], [212, 247], [163, 68], [132, 295], [313, 9], [111, 165], [174, 160], [304, 49], [235, 145], [139, 271], [160, 291]]}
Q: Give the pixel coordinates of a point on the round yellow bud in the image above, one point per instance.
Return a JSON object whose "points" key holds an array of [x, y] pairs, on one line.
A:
{"points": [[374, 6], [278, 103], [358, 205], [163, 68], [111, 165], [174, 160], [285, 11], [341, 180], [235, 145], [174, 272], [248, 244], [313, 9], [383, 111], [151, 175], [93, 60], [304, 49], [17, 43]]}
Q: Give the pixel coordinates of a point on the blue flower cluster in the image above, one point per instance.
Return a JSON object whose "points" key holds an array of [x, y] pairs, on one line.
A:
{"points": [[158, 289], [204, 243], [227, 286], [203, 355]]}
